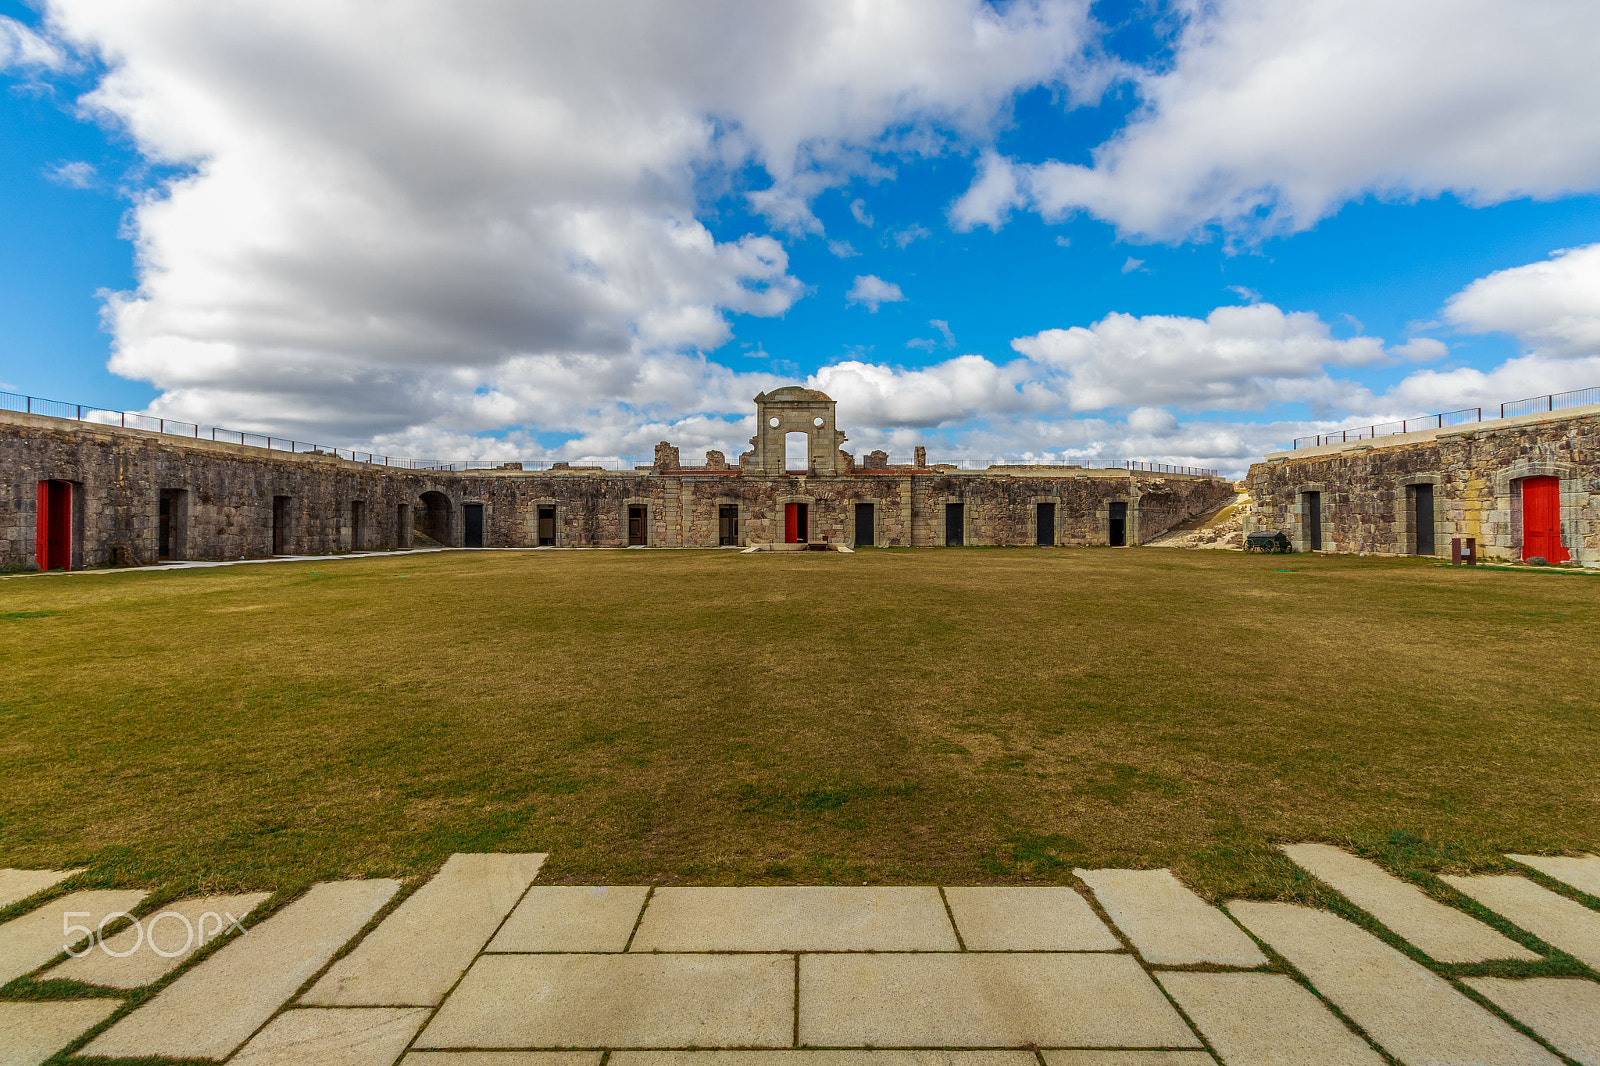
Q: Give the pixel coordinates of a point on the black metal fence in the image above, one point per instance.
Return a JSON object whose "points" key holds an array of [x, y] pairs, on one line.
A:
{"points": [[133, 420], [1555, 401]]}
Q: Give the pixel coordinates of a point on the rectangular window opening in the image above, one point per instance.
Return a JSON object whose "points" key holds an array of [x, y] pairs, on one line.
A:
{"points": [[1422, 517], [282, 535], [954, 519], [1118, 523], [865, 535]]}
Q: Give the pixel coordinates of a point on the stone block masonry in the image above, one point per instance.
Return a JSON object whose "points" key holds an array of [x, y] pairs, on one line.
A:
{"points": [[133, 497], [1411, 494]]}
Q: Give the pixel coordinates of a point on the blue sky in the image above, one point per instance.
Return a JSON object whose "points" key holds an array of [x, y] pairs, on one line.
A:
{"points": [[1181, 232]]}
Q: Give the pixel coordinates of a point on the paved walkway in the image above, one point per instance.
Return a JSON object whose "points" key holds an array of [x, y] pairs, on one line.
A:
{"points": [[480, 966]]}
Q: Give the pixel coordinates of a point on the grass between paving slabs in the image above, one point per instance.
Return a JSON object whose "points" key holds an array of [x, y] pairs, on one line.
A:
{"points": [[952, 716]]}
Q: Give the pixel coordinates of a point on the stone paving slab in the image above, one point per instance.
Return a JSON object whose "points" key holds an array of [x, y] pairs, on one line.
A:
{"points": [[141, 956], [1441, 931], [31, 1032], [420, 950], [18, 885], [362, 1036], [1412, 1013], [577, 1001], [984, 1000], [1168, 924], [1582, 872], [28, 942], [1127, 1058], [1028, 919], [1557, 920], [587, 918], [807, 1057], [1563, 1010], [795, 919], [1264, 1019], [212, 1009], [501, 1058]]}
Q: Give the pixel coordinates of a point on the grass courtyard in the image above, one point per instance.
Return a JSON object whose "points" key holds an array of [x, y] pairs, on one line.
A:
{"points": [[951, 716]]}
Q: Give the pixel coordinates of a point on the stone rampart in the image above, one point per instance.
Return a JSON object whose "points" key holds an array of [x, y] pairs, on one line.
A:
{"points": [[137, 496], [1469, 481]]}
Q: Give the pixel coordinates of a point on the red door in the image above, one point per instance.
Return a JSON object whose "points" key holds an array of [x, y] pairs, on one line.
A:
{"points": [[796, 529], [1541, 519], [53, 532]]}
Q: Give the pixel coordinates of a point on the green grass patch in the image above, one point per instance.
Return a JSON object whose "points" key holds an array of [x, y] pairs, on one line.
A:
{"points": [[950, 717]]}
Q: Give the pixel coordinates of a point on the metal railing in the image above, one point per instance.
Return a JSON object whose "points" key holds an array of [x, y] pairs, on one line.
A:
{"points": [[1555, 401], [133, 420]]}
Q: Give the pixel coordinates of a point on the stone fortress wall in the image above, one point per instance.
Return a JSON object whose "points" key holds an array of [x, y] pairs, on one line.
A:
{"points": [[1521, 487], [87, 495]]}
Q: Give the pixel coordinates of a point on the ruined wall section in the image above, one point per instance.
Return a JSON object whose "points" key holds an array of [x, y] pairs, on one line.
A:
{"points": [[229, 495], [1367, 491], [228, 498]]}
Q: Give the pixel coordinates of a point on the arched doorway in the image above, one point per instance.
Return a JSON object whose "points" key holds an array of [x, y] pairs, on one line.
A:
{"points": [[1541, 520], [433, 519]]}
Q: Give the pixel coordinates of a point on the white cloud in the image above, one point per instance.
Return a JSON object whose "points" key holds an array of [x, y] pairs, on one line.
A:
{"points": [[1245, 293], [74, 175], [1421, 350], [870, 291], [1236, 358], [1132, 264], [459, 217], [858, 211], [1553, 306], [23, 49], [911, 234], [991, 196], [843, 249], [1272, 114], [946, 338]]}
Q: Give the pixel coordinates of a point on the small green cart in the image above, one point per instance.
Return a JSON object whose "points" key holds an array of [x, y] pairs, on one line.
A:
{"points": [[1272, 543]]}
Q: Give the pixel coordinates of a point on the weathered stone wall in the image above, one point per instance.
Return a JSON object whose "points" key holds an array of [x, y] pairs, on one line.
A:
{"points": [[225, 500], [1368, 495]]}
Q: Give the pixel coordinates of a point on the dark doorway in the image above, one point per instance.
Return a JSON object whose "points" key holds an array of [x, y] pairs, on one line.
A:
{"points": [[728, 524], [358, 525], [1044, 525], [1422, 515], [472, 525], [796, 523], [864, 523], [638, 528], [1311, 515], [955, 515], [402, 526], [547, 527], [282, 537], [172, 536], [1118, 525], [434, 520], [53, 546], [1541, 520]]}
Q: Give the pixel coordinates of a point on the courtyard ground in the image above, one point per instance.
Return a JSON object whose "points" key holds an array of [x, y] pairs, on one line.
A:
{"points": [[961, 716]]}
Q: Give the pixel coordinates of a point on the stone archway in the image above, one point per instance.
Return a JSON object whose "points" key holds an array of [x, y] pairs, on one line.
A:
{"points": [[433, 519]]}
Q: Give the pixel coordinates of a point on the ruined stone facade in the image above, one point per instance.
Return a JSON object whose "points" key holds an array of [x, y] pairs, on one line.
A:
{"points": [[1382, 496], [124, 496]]}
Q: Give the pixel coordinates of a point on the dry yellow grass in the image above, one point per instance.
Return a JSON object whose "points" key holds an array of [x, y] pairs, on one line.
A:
{"points": [[906, 716]]}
